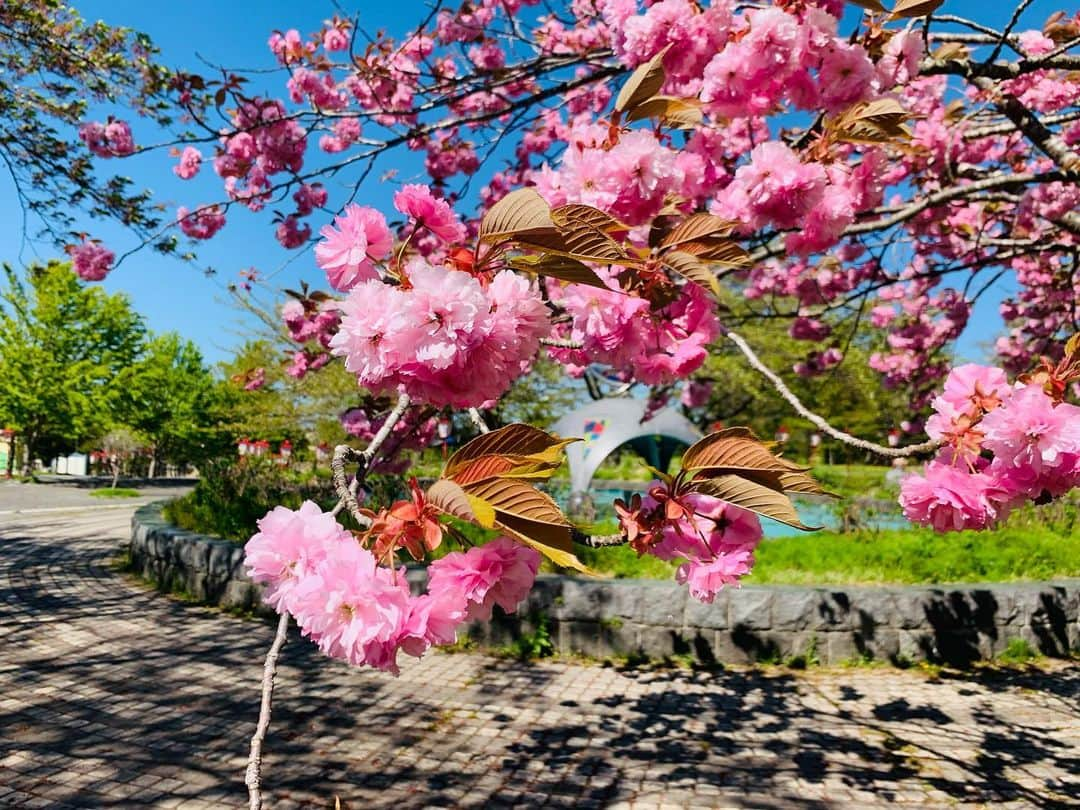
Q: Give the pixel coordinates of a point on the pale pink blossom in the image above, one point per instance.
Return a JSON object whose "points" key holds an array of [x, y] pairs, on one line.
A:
{"points": [[497, 573], [351, 246]]}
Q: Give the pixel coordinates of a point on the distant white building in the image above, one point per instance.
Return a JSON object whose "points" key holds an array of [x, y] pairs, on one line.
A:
{"points": [[75, 464]]}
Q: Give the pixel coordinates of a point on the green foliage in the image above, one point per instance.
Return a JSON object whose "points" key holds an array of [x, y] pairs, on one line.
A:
{"points": [[230, 497], [529, 646], [285, 407], [1031, 546], [622, 562], [114, 492], [62, 347], [171, 399], [851, 480], [850, 394], [1017, 652]]}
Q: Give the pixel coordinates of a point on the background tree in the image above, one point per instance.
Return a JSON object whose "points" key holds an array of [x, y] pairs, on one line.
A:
{"points": [[62, 346], [119, 446], [173, 400]]}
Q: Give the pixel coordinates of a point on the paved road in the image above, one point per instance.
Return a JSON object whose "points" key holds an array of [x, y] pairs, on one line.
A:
{"points": [[16, 497], [112, 696]]}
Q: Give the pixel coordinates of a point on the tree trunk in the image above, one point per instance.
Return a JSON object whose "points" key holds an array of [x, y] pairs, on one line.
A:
{"points": [[28, 461], [153, 463], [116, 472], [11, 456]]}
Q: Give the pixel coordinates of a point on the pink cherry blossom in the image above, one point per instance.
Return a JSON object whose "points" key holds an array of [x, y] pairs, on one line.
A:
{"points": [[289, 545], [948, 498], [190, 161], [497, 573], [419, 204], [351, 246], [1031, 431], [91, 261]]}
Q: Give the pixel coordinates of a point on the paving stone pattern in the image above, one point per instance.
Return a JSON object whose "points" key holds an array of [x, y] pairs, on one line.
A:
{"points": [[115, 696], [611, 618]]}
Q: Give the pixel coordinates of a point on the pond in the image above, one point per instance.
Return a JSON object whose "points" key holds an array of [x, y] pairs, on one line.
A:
{"points": [[813, 511]]}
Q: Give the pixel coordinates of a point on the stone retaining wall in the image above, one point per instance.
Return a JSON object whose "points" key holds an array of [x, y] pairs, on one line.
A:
{"points": [[604, 617]]}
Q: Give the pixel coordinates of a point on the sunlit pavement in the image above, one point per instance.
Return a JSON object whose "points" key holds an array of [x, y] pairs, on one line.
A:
{"points": [[114, 696]]}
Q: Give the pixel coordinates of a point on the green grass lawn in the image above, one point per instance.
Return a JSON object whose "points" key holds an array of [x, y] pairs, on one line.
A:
{"points": [[1036, 543], [114, 492]]}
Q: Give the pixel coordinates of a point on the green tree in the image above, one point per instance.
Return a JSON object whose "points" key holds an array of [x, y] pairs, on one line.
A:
{"points": [[173, 401], [62, 345]]}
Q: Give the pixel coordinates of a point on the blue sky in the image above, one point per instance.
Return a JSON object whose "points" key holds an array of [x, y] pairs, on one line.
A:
{"points": [[176, 296]]}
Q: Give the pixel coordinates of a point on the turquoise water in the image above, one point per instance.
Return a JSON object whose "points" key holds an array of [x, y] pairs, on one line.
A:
{"points": [[812, 512]]}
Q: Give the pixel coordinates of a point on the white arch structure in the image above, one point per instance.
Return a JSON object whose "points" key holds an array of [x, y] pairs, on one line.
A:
{"points": [[606, 424]]}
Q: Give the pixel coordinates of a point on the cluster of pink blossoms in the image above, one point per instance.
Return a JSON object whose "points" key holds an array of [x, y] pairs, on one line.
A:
{"points": [[1002, 445], [202, 223], [91, 261], [109, 140], [714, 539], [444, 337], [656, 347], [360, 609]]}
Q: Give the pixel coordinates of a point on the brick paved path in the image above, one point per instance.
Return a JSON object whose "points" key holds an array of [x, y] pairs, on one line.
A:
{"points": [[111, 696]]}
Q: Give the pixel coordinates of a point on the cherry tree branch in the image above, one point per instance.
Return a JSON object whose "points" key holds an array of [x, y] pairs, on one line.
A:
{"points": [[347, 494], [819, 421], [253, 776], [478, 420]]}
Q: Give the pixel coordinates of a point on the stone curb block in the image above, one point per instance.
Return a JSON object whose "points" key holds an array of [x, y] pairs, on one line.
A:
{"points": [[608, 617]]}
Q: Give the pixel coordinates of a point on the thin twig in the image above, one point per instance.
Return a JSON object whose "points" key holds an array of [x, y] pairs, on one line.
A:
{"points": [[253, 777], [818, 421], [478, 420]]}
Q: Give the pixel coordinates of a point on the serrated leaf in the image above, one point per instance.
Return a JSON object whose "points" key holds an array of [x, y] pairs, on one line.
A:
{"points": [[451, 499], [518, 498], [520, 212], [677, 112], [645, 82], [734, 447], [751, 495], [548, 540], [875, 121], [540, 467], [698, 226], [905, 9], [561, 267], [717, 251], [950, 51], [566, 214], [1072, 346], [692, 270], [485, 514], [512, 440], [577, 240]]}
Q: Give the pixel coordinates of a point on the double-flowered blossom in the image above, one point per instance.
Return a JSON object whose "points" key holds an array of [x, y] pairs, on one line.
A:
{"points": [[714, 540], [109, 140], [350, 247], [358, 607], [444, 339], [1002, 444]]}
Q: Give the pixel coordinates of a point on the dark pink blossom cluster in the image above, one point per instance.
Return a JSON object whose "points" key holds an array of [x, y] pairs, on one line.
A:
{"points": [[655, 346], [351, 246], [91, 261], [202, 223], [112, 139], [714, 540], [1002, 445], [359, 608]]}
